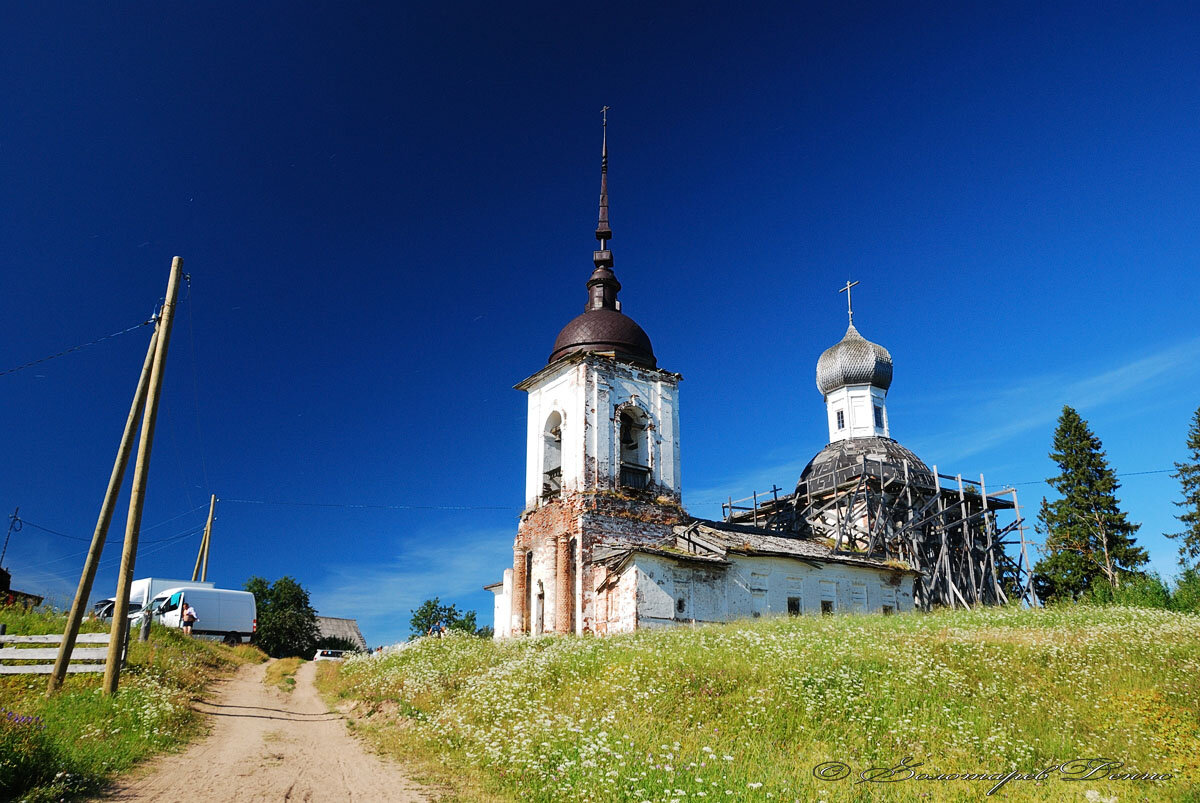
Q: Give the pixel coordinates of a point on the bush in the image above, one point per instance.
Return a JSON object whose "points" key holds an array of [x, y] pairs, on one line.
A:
{"points": [[335, 643], [1136, 591], [1186, 596]]}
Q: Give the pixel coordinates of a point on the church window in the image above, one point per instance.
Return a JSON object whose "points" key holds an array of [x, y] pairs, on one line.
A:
{"points": [[634, 451], [826, 606], [887, 610], [552, 457], [793, 606], [841, 418], [680, 605], [878, 417]]}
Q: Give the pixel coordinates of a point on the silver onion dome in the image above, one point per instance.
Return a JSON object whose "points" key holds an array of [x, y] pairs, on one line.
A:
{"points": [[854, 360]]}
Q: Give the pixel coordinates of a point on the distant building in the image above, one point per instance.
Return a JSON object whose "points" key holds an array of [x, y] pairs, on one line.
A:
{"points": [[604, 545], [333, 627], [8, 596]]}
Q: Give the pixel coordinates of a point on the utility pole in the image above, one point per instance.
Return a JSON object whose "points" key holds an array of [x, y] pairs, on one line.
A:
{"points": [[12, 523], [137, 494], [79, 605], [202, 555], [212, 506]]}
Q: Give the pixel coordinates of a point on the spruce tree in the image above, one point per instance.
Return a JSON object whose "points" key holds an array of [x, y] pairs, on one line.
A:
{"points": [[1188, 474], [1088, 540]]}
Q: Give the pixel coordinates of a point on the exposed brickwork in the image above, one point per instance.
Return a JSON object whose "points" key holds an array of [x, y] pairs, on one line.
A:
{"points": [[594, 519], [520, 605], [564, 600]]}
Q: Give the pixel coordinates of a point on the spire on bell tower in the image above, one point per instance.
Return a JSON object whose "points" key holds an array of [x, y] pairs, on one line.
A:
{"points": [[603, 285], [603, 231]]}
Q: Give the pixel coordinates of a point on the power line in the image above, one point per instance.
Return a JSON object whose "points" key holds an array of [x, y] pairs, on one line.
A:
{"points": [[54, 532], [999, 485], [161, 542], [88, 540], [283, 503], [173, 518], [77, 348], [19, 521], [1123, 474], [196, 383]]}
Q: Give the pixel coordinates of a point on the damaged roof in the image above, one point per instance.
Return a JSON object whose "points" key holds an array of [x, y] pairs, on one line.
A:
{"points": [[744, 540], [712, 542]]}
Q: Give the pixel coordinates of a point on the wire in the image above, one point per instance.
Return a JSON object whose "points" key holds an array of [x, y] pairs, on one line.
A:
{"points": [[173, 518], [178, 455], [1123, 474], [196, 383], [35, 525], [77, 348], [1000, 485], [162, 542], [53, 532], [368, 506]]}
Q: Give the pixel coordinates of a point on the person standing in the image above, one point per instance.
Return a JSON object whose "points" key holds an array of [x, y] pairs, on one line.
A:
{"points": [[189, 618]]}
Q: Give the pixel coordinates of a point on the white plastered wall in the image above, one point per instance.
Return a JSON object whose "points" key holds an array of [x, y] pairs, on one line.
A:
{"points": [[502, 607], [759, 586], [588, 395], [856, 403]]}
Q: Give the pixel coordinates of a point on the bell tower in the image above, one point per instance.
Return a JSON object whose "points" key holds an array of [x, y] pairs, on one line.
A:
{"points": [[602, 451]]}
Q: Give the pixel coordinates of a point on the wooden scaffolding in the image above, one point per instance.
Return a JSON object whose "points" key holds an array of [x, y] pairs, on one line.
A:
{"points": [[951, 529]]}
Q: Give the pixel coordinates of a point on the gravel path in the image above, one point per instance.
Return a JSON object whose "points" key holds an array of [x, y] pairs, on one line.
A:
{"points": [[269, 745]]}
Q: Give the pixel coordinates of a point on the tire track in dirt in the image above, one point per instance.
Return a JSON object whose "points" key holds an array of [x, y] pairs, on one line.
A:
{"points": [[268, 745]]}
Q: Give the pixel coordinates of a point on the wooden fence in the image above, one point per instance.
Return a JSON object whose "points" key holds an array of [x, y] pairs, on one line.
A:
{"points": [[44, 650]]}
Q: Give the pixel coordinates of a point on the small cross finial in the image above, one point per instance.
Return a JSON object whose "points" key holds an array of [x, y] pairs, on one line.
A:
{"points": [[604, 115], [849, 308]]}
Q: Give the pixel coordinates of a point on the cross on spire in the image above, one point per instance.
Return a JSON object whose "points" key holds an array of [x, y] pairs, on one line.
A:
{"points": [[846, 290]]}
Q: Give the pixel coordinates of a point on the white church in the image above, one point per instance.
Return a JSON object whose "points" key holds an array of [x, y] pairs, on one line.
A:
{"points": [[604, 545]]}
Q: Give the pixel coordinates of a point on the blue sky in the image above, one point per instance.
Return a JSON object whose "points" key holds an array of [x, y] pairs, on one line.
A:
{"points": [[386, 212]]}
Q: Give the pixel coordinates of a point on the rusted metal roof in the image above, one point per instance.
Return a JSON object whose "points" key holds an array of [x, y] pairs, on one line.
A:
{"points": [[605, 331]]}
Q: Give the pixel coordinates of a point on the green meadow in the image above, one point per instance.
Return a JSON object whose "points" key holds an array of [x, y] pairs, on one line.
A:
{"points": [[781, 709]]}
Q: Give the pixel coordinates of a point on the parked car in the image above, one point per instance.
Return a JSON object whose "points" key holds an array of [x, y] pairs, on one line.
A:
{"points": [[329, 655], [222, 614]]}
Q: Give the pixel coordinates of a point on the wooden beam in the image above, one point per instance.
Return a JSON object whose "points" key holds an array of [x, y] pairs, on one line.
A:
{"points": [[78, 605], [137, 494]]}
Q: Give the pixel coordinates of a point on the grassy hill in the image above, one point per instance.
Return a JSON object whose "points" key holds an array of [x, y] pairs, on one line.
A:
{"points": [[74, 743], [751, 710]]}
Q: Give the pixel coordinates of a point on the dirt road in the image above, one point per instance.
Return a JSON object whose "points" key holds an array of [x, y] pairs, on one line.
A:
{"points": [[269, 745]]}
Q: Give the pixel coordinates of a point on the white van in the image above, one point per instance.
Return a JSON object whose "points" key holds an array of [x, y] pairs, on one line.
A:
{"points": [[142, 591], [221, 614]]}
